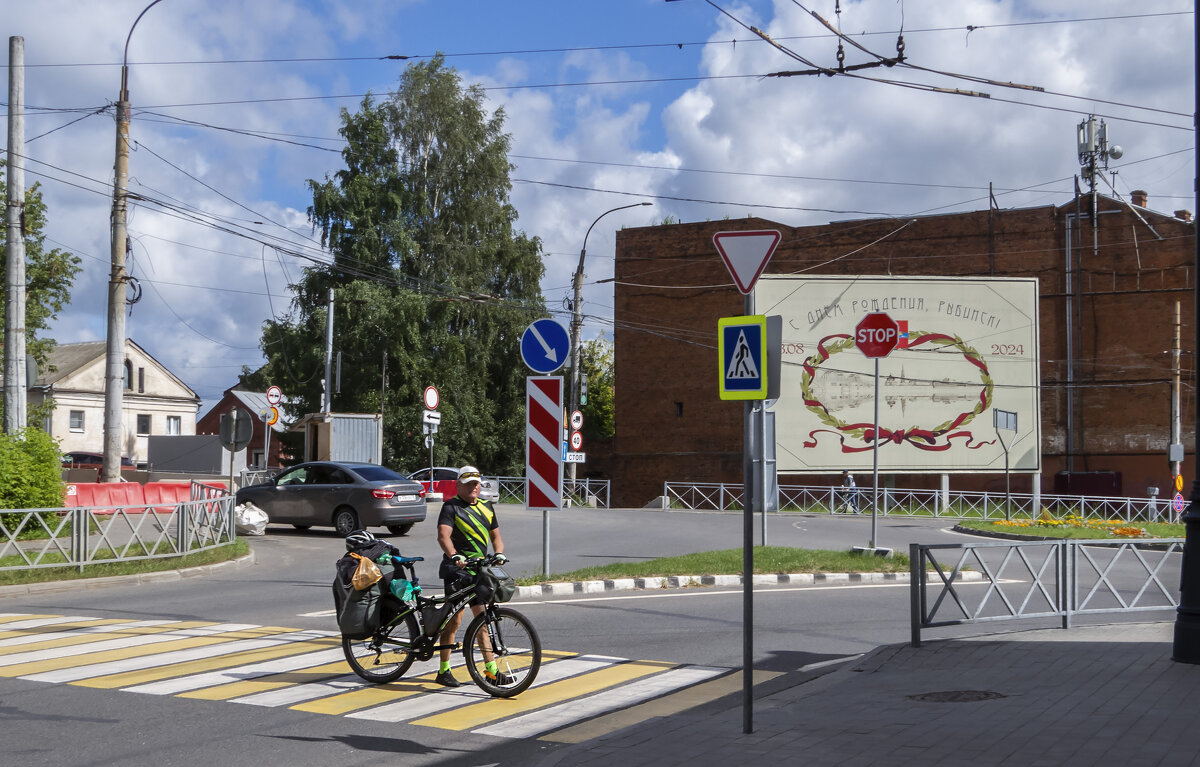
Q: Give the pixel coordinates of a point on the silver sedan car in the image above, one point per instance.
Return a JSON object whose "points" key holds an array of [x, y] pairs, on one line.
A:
{"points": [[342, 495]]}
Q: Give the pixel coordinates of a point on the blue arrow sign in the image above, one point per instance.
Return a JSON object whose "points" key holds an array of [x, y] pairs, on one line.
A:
{"points": [[545, 346]]}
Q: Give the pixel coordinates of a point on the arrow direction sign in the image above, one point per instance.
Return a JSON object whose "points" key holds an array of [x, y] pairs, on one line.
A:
{"points": [[746, 254], [544, 345], [431, 416]]}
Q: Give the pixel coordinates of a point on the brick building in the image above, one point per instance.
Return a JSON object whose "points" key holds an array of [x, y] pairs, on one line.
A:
{"points": [[1106, 394], [255, 404]]}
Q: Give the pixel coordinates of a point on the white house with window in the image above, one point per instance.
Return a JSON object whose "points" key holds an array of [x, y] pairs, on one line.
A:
{"points": [[155, 401]]}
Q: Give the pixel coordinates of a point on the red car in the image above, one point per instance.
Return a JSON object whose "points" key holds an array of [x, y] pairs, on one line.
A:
{"points": [[445, 483]]}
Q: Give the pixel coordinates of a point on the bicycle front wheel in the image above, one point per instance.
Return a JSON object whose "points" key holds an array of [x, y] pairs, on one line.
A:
{"points": [[507, 638], [385, 656]]}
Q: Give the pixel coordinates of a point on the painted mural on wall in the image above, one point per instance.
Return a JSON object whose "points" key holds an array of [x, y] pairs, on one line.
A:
{"points": [[967, 347]]}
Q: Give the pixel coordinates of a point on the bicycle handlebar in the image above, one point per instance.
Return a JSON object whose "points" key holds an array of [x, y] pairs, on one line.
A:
{"points": [[487, 559]]}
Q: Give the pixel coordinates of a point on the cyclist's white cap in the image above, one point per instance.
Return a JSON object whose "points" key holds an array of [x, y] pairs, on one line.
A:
{"points": [[469, 474]]}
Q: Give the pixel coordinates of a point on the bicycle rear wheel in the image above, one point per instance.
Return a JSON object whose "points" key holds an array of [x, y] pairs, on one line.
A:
{"points": [[509, 639], [385, 656]]}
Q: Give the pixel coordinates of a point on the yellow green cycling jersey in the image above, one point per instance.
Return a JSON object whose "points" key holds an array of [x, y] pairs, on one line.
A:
{"points": [[471, 525]]}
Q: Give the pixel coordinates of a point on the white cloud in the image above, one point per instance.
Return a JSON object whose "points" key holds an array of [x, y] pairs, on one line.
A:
{"points": [[813, 127]]}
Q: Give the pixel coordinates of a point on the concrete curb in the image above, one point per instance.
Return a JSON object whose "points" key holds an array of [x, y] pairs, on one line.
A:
{"points": [[79, 584], [570, 588]]}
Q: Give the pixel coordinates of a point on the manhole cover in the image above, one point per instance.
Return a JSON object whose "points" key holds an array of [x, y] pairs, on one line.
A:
{"points": [[956, 696]]}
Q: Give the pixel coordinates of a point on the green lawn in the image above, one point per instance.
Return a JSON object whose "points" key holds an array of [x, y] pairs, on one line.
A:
{"points": [[234, 550], [767, 559]]}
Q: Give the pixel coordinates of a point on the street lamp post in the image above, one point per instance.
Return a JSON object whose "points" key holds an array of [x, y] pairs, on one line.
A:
{"points": [[115, 347], [577, 317]]}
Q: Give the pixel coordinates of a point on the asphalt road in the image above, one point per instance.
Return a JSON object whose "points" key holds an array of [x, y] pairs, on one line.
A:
{"points": [[84, 723]]}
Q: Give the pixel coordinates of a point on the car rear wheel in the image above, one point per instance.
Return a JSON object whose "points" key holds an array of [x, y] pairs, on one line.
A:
{"points": [[345, 521], [400, 529]]}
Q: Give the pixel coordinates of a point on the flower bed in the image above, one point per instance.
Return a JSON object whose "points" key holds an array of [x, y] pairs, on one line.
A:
{"points": [[1116, 528]]}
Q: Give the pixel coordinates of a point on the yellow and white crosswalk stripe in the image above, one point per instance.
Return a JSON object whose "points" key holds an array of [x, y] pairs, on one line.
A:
{"points": [[305, 670]]}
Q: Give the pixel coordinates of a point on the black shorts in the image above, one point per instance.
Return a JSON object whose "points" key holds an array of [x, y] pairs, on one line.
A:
{"points": [[457, 584], [456, 579]]}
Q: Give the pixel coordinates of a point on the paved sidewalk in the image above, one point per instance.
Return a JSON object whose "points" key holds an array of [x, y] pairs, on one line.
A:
{"points": [[1088, 695]]}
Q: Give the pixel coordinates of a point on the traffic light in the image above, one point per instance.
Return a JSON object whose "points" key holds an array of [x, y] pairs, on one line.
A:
{"points": [[583, 389]]}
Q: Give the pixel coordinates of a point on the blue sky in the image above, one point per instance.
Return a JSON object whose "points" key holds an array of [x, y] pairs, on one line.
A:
{"points": [[676, 110]]}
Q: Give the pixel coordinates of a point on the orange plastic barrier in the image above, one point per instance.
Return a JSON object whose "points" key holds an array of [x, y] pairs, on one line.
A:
{"points": [[133, 496], [165, 495], [126, 494]]}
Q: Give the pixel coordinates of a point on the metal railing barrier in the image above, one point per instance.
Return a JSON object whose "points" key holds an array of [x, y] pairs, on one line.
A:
{"points": [[87, 535], [1039, 579], [593, 493], [825, 499]]}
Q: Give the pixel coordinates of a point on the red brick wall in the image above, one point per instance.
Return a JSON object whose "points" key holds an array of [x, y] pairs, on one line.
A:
{"points": [[671, 287]]}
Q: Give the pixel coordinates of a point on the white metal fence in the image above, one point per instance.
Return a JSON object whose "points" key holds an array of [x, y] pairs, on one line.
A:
{"points": [[74, 537], [582, 492], [1039, 579], [718, 496]]}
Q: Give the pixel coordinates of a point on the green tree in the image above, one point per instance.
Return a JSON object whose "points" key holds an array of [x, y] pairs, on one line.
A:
{"points": [[596, 362], [49, 275], [30, 477], [427, 267]]}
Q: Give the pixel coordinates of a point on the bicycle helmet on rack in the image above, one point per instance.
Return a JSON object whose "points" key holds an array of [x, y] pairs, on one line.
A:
{"points": [[359, 539]]}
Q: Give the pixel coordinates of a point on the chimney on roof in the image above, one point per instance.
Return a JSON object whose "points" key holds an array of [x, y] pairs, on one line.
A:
{"points": [[1139, 198], [1183, 215]]}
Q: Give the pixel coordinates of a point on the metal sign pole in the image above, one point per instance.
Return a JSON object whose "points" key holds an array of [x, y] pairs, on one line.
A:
{"points": [[875, 464], [233, 448], [748, 502], [266, 443], [545, 542], [761, 475]]}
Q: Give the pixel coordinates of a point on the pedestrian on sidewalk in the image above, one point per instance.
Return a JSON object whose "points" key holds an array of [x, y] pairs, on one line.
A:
{"points": [[849, 492]]}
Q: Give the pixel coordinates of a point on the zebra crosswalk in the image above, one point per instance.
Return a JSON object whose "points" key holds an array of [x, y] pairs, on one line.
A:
{"points": [[305, 670]]}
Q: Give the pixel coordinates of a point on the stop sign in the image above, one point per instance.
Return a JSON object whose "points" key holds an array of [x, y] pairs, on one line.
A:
{"points": [[876, 335]]}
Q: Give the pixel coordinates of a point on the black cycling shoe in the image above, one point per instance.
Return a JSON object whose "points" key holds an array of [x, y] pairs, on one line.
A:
{"points": [[446, 679], [500, 680]]}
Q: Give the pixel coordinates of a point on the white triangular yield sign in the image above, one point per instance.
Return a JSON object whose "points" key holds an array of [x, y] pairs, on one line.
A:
{"points": [[741, 362], [746, 254]]}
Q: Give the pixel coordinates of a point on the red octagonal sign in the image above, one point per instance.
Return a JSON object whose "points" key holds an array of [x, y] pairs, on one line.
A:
{"points": [[876, 335]]}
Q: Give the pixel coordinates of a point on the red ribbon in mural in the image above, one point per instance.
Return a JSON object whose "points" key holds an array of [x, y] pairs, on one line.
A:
{"points": [[939, 438]]}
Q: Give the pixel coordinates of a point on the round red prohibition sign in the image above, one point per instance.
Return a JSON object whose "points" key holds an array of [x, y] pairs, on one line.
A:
{"points": [[576, 441], [876, 335]]}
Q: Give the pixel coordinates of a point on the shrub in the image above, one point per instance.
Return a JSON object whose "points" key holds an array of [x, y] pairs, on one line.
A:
{"points": [[30, 474]]}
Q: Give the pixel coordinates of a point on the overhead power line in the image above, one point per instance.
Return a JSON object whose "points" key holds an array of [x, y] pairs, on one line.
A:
{"points": [[968, 28]]}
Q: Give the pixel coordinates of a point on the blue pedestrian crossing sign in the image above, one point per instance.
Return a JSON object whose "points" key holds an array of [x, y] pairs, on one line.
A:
{"points": [[742, 354]]}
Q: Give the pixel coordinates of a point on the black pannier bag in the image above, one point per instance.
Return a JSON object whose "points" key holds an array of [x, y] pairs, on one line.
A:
{"points": [[358, 612], [494, 583]]}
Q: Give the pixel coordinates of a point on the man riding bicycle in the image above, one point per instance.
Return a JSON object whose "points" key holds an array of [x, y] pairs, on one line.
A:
{"points": [[466, 525]]}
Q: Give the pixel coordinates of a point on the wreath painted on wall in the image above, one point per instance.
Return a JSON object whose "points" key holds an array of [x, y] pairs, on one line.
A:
{"points": [[936, 439]]}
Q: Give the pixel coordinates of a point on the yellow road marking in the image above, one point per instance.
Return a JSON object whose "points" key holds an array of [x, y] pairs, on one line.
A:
{"points": [[473, 715], [354, 700], [370, 696], [23, 617], [57, 627], [664, 706], [201, 665], [183, 643], [270, 682], [63, 641]]}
